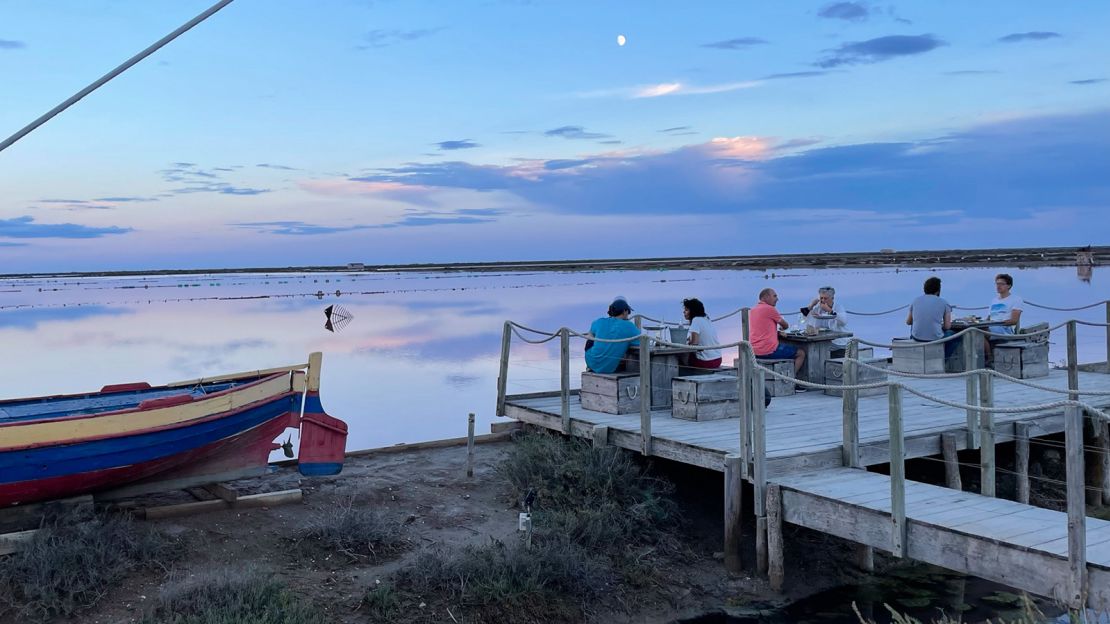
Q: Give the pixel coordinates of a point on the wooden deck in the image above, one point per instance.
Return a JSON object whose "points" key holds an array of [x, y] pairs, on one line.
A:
{"points": [[1019, 545], [804, 431], [1013, 543]]}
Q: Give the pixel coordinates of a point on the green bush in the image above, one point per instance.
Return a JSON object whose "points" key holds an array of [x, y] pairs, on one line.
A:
{"points": [[69, 564], [231, 598]]}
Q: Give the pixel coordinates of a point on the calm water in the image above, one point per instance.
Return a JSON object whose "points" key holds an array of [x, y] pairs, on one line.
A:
{"points": [[422, 349]]}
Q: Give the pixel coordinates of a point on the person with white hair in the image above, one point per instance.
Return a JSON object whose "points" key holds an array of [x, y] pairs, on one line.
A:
{"points": [[825, 312]]}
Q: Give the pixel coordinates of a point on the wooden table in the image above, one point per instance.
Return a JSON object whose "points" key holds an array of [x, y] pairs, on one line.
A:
{"points": [[665, 362], [818, 348], [956, 362]]}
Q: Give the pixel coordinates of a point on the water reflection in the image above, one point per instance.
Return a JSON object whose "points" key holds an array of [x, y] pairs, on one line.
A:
{"points": [[422, 349]]}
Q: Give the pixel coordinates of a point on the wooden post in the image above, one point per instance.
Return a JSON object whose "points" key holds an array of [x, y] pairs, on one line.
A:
{"points": [[564, 377], [645, 395], [850, 404], [503, 373], [951, 461], [743, 376], [759, 470], [775, 571], [1107, 336], [897, 473], [986, 436], [970, 359], [1021, 460], [1105, 460], [745, 326], [1073, 363], [315, 360], [734, 512], [1077, 513], [470, 445], [638, 320], [600, 436]]}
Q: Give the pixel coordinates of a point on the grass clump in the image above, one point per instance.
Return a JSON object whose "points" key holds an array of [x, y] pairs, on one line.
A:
{"points": [[232, 598], [499, 581], [68, 565], [598, 498], [356, 532]]}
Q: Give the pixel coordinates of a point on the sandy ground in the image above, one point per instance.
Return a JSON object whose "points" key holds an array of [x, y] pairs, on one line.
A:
{"points": [[429, 491]]}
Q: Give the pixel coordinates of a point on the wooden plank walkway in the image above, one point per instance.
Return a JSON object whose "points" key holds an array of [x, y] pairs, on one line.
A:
{"points": [[1019, 545], [804, 431]]}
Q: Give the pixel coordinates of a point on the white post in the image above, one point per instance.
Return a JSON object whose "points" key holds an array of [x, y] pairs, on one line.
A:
{"points": [[645, 395], [986, 436], [1077, 512], [850, 408], [564, 377], [759, 479], [503, 373], [970, 359]]}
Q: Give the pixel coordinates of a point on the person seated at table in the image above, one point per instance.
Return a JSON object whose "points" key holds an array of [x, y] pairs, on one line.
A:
{"points": [[826, 313], [1005, 309], [608, 357], [701, 333], [930, 317], [764, 321]]}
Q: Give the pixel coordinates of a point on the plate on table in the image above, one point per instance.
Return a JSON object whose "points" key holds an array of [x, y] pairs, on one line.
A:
{"points": [[824, 317]]}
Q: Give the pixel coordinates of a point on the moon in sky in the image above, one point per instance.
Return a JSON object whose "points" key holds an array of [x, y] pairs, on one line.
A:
{"points": [[621, 40]]}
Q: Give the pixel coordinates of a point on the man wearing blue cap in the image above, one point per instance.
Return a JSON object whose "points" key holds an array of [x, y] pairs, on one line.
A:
{"points": [[606, 357]]}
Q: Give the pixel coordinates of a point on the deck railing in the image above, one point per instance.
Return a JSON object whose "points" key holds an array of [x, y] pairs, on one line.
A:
{"points": [[751, 464]]}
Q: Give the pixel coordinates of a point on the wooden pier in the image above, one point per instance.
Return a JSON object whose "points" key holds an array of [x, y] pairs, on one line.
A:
{"points": [[806, 454]]}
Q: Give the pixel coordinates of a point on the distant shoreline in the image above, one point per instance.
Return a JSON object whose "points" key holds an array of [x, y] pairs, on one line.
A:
{"points": [[1024, 256]]}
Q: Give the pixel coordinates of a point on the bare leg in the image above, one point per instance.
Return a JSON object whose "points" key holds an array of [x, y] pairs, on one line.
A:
{"points": [[799, 360]]}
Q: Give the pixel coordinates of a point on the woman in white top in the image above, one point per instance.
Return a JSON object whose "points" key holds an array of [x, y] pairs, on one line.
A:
{"points": [[702, 334]]}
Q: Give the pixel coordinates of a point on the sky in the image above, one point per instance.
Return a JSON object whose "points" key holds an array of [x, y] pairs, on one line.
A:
{"points": [[390, 131]]}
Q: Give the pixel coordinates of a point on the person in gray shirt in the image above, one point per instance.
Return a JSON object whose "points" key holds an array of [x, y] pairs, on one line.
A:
{"points": [[930, 316]]}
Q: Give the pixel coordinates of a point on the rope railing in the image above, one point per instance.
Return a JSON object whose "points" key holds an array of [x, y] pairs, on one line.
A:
{"points": [[890, 311]]}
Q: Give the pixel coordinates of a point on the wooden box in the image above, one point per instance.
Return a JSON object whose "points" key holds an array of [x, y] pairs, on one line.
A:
{"points": [[834, 375], [1024, 360], [921, 358], [612, 393], [705, 397], [779, 387]]}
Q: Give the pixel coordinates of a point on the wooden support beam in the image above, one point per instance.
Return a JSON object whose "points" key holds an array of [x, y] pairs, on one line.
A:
{"points": [[734, 513], [30, 516], [1108, 336], [645, 395], [1098, 447], [743, 377], [564, 377], [897, 473], [865, 558], [1021, 460], [221, 492], [850, 408], [951, 461], [503, 371], [745, 325], [600, 436], [269, 499], [15, 542], [971, 346], [776, 571], [1077, 512], [759, 470], [987, 466]]}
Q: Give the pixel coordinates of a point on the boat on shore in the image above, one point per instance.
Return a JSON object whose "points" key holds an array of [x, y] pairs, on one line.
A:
{"points": [[129, 439]]}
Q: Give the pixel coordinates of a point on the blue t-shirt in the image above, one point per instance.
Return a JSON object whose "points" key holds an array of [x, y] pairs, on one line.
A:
{"points": [[604, 357], [928, 317]]}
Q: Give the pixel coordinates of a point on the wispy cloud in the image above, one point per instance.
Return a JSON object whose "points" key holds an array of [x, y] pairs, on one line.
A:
{"points": [[266, 166], [456, 145], [739, 43], [799, 74], [26, 227], [382, 38], [678, 131], [199, 180], [1036, 35], [678, 88], [972, 72], [880, 49], [297, 228], [574, 132], [465, 216], [10, 44], [123, 200], [850, 11], [1087, 81]]}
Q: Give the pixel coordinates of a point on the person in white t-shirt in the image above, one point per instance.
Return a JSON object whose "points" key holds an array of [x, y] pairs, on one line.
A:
{"points": [[701, 333], [825, 312], [1005, 308]]}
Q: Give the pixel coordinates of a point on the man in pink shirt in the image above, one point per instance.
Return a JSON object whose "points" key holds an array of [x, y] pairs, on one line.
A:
{"points": [[764, 322]]}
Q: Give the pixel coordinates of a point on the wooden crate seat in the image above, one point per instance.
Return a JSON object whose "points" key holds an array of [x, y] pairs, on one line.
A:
{"points": [[1021, 359], [612, 393], [705, 397], [923, 358], [778, 387], [834, 375]]}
